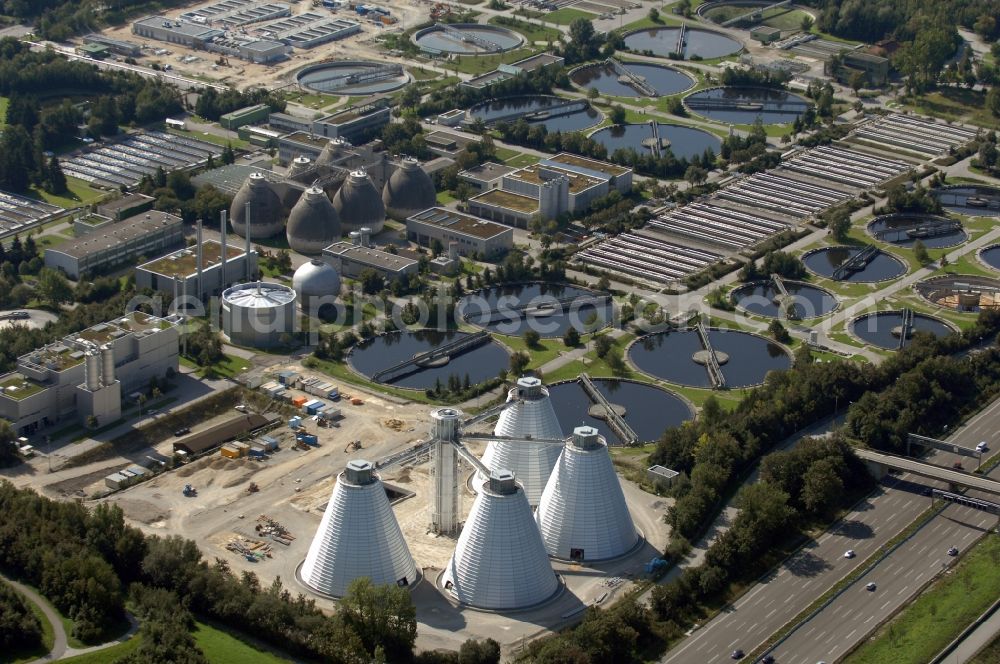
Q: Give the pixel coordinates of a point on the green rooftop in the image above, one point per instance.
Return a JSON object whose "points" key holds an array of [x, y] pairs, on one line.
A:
{"points": [[185, 261], [17, 387], [508, 200]]}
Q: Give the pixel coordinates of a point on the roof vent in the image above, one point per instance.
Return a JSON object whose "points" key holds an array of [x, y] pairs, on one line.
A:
{"points": [[502, 482]]}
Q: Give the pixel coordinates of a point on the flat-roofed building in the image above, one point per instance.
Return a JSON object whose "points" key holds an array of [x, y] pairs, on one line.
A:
{"points": [[148, 234], [505, 207], [485, 176], [68, 378], [177, 272], [172, 31], [557, 189], [127, 206], [350, 259], [243, 116], [467, 234], [351, 123], [618, 177]]}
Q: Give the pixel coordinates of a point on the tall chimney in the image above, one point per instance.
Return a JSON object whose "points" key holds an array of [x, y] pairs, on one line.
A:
{"points": [[356, 238], [201, 284], [92, 373], [224, 254], [108, 370], [246, 252], [366, 236]]}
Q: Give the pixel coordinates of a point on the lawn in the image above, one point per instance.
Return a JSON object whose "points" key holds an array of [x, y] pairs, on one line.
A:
{"points": [[939, 614], [222, 647], [4, 103], [532, 31], [546, 350], [80, 193], [229, 367], [522, 160], [106, 655], [955, 104], [472, 64], [567, 15]]}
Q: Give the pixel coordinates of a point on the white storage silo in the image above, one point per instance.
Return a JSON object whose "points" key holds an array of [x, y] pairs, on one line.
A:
{"points": [[358, 537], [583, 515]]}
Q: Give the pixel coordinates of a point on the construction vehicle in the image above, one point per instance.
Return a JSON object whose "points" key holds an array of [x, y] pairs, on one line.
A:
{"points": [[253, 488], [190, 491], [353, 445]]}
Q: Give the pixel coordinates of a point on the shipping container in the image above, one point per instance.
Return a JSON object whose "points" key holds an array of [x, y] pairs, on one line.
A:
{"points": [[308, 439], [269, 442], [313, 406], [229, 452], [295, 422], [298, 402], [288, 378]]}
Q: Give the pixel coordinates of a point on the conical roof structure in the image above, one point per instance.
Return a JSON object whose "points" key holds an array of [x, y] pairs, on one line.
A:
{"points": [[299, 165], [359, 205], [265, 208], [583, 515], [358, 536], [313, 223], [408, 191], [499, 562], [533, 416]]}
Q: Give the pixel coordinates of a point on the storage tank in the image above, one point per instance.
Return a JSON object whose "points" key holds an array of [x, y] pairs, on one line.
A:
{"points": [[313, 223], [533, 416], [266, 211], [258, 314], [499, 562], [316, 285], [358, 537], [583, 515], [408, 191], [358, 204]]}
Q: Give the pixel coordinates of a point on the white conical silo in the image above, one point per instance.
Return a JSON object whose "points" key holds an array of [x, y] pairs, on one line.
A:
{"points": [[358, 536], [583, 515], [500, 562], [533, 416]]}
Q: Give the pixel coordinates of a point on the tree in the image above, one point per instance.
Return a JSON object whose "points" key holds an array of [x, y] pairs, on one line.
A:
{"points": [[410, 97], [920, 253], [617, 115], [571, 338], [857, 80], [479, 652], [53, 287], [806, 24], [531, 338], [604, 283], [55, 179], [993, 101], [778, 331], [519, 362], [840, 225], [17, 159], [382, 616], [654, 15], [821, 487], [602, 345], [695, 175]]}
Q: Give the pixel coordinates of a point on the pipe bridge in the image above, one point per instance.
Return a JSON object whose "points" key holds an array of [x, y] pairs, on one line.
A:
{"points": [[754, 16], [553, 304], [856, 262], [485, 44], [617, 423], [712, 364], [633, 79], [490, 412], [904, 327], [447, 350]]}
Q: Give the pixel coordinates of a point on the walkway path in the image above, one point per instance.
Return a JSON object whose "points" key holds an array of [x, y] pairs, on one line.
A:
{"points": [[60, 643]]}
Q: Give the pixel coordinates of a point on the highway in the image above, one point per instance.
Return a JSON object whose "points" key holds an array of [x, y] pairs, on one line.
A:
{"points": [[778, 599]]}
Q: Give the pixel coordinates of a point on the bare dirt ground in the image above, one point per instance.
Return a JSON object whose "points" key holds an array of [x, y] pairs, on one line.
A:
{"points": [[242, 74]]}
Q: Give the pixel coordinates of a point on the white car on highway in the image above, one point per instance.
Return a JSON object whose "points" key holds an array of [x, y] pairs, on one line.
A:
{"points": [[849, 554], [982, 447]]}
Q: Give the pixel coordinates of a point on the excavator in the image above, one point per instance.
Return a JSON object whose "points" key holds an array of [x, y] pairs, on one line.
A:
{"points": [[353, 445]]}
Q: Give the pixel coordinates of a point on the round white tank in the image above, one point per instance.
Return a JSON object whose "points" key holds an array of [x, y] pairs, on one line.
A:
{"points": [[258, 314]]}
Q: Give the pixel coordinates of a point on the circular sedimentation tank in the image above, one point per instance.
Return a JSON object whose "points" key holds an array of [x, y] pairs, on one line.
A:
{"points": [[885, 328], [555, 113], [990, 256], [698, 44], [825, 261], [393, 348], [352, 77], [969, 199], [549, 309], [743, 105], [466, 39], [648, 409], [904, 229], [764, 299], [608, 79], [683, 142], [961, 292], [676, 356], [787, 19]]}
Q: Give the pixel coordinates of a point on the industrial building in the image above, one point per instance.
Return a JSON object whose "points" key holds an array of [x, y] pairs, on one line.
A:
{"points": [[357, 537], [504, 72], [148, 234], [562, 184], [19, 214], [259, 51], [86, 374], [126, 206], [309, 29], [198, 271], [258, 198], [243, 116], [350, 259], [469, 234], [359, 204], [259, 315], [352, 123], [485, 176], [530, 415], [119, 46], [582, 513], [191, 35], [235, 13]]}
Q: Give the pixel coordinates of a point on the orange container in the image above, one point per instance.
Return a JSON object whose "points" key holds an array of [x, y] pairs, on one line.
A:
{"points": [[298, 401]]}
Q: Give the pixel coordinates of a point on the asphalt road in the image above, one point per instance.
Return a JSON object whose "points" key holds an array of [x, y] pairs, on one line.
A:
{"points": [[775, 601]]}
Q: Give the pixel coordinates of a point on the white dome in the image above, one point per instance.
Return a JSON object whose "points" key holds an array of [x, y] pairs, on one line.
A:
{"points": [[358, 536], [534, 417], [583, 515], [315, 283], [499, 562]]}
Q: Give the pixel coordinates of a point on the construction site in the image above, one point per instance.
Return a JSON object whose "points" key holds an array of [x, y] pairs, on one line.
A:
{"points": [[445, 474]]}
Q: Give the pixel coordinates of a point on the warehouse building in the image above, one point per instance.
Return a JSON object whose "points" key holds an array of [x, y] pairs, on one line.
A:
{"points": [[179, 272], [146, 235], [192, 35], [244, 116], [127, 206], [467, 234], [309, 29], [234, 13], [87, 373], [485, 176], [352, 123], [350, 259]]}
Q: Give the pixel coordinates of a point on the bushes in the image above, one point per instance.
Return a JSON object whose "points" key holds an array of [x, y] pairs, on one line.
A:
{"points": [[19, 627]]}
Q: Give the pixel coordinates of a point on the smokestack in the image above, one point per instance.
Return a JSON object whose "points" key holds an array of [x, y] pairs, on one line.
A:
{"points": [[365, 236], [176, 279], [246, 254], [355, 238], [201, 285], [108, 356], [184, 342], [93, 370], [224, 254]]}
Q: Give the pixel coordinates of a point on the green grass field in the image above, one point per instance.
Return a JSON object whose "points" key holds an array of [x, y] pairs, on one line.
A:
{"points": [[105, 655], [521, 160], [472, 64], [567, 15], [222, 647], [939, 615], [4, 103], [80, 193], [532, 31], [229, 367]]}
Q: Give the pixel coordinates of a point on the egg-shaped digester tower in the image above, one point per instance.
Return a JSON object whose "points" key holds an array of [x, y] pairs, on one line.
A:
{"points": [[313, 223], [408, 191], [266, 211], [359, 204]]}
